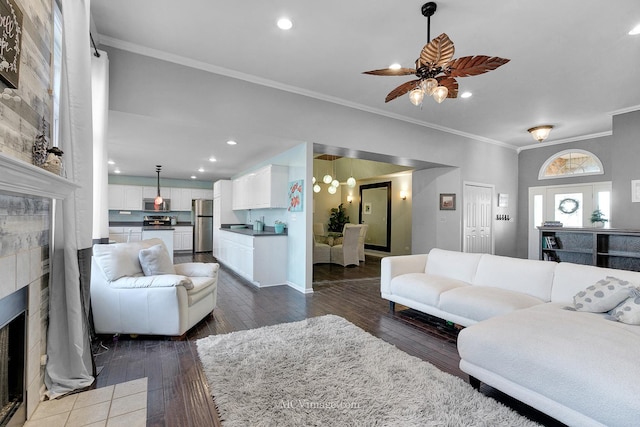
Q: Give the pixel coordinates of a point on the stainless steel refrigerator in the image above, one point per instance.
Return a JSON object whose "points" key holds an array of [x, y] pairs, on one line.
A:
{"points": [[202, 225]]}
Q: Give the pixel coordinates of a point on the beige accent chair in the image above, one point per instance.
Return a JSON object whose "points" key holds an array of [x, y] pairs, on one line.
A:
{"points": [[321, 251], [136, 289], [361, 239], [347, 253]]}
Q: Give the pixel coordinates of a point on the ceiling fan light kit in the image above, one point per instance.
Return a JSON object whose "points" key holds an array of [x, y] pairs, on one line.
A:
{"points": [[540, 133], [436, 69]]}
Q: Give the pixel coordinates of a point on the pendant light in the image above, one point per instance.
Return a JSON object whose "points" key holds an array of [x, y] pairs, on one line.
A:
{"points": [[351, 181], [158, 200]]}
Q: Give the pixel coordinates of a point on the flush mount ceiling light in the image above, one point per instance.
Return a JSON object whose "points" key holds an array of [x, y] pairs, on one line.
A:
{"points": [[540, 133], [285, 24], [231, 142], [436, 69], [213, 159], [158, 200], [635, 31]]}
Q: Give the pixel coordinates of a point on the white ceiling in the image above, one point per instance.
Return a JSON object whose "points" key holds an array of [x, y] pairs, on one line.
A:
{"points": [[572, 63]]}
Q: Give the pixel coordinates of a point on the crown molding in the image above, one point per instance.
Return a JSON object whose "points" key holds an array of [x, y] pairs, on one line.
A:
{"points": [[566, 140]]}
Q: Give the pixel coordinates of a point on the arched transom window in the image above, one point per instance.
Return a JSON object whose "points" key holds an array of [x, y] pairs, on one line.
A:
{"points": [[571, 163]]}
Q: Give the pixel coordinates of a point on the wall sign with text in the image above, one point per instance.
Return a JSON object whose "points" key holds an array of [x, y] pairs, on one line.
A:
{"points": [[10, 42]]}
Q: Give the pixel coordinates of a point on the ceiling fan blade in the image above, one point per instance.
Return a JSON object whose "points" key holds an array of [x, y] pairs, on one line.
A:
{"points": [[438, 52], [390, 72], [450, 83], [401, 90], [473, 65]]}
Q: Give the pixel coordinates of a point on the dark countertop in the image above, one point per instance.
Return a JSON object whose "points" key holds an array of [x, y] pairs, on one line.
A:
{"points": [[268, 231], [139, 224], [158, 228]]}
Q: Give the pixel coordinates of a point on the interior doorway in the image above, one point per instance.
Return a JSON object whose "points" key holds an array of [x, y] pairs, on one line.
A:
{"points": [[477, 218]]}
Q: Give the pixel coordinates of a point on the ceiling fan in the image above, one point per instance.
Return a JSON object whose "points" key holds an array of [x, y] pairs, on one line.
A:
{"points": [[436, 69]]}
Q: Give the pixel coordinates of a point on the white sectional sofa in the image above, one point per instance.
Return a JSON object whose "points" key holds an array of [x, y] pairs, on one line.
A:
{"points": [[579, 367]]}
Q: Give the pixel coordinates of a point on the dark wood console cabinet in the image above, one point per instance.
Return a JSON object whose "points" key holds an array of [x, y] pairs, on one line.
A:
{"points": [[604, 247]]}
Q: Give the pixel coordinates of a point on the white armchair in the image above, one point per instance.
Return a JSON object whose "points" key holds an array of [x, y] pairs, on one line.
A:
{"points": [[135, 289]]}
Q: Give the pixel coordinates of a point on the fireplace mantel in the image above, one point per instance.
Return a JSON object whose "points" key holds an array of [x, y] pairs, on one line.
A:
{"points": [[20, 177]]}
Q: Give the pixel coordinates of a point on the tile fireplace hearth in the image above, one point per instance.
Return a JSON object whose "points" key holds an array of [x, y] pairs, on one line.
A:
{"points": [[27, 195]]}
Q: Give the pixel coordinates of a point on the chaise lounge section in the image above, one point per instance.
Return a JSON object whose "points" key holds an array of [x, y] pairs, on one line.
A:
{"points": [[579, 367]]}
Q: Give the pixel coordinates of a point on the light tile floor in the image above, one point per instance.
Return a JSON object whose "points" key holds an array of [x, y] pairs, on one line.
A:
{"points": [[118, 405]]}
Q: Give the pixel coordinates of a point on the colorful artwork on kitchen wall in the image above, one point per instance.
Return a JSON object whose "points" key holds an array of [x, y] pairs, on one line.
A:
{"points": [[296, 195], [10, 42]]}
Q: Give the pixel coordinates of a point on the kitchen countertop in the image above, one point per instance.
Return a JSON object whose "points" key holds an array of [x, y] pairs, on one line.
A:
{"points": [[268, 231], [139, 224], [158, 227]]}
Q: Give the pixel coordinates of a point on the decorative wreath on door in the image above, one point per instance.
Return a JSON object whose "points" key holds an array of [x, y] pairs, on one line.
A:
{"points": [[568, 206]]}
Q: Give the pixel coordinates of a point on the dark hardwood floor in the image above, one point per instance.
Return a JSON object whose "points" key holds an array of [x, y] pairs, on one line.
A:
{"points": [[178, 391]]}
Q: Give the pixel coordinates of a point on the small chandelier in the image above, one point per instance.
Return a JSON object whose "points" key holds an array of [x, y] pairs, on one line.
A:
{"points": [[540, 133], [158, 200]]}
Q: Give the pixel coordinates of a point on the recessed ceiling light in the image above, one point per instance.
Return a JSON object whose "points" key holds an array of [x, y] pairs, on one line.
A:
{"points": [[201, 170], [231, 142], [111, 162], [465, 95], [116, 171], [213, 159], [285, 24], [635, 31], [193, 177], [395, 66]]}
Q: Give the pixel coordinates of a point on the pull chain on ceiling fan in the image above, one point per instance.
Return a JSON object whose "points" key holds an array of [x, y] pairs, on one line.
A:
{"points": [[436, 69]]}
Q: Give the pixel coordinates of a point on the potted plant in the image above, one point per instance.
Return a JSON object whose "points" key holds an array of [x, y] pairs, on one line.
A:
{"points": [[338, 218], [598, 219]]}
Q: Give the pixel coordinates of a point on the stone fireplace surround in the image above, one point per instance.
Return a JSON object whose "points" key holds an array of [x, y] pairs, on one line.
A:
{"points": [[27, 198]]}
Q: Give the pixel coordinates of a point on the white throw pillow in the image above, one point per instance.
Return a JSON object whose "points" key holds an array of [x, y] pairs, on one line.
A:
{"points": [[603, 295], [117, 260], [156, 260], [629, 310]]}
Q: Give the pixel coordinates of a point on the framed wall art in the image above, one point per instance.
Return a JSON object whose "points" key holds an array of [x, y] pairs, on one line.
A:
{"points": [[447, 201], [296, 195], [10, 42]]}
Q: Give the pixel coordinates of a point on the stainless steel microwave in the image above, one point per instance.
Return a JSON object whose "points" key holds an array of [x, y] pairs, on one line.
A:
{"points": [[149, 205]]}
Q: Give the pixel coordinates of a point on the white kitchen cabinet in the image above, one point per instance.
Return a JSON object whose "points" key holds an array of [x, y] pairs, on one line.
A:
{"points": [[125, 234], [125, 197], [265, 188], [202, 193], [183, 238], [261, 260], [222, 211]]}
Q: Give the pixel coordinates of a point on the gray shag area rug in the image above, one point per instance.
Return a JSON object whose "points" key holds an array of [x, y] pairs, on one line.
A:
{"points": [[325, 371]]}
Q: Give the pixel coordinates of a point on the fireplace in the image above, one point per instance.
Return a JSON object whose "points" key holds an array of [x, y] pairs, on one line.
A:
{"points": [[12, 357]]}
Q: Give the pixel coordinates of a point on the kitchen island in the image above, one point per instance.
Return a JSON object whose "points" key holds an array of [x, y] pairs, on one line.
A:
{"points": [[163, 232], [258, 256]]}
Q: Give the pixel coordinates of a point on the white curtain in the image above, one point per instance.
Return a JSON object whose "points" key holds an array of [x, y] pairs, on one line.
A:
{"points": [[70, 364], [100, 100]]}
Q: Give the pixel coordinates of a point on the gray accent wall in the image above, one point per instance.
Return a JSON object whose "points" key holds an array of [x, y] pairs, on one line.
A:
{"points": [[620, 157]]}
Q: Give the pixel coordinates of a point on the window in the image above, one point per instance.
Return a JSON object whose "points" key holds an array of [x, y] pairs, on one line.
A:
{"points": [[571, 163]]}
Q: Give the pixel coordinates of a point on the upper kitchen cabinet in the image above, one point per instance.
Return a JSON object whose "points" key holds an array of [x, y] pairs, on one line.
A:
{"points": [[125, 197], [262, 189]]}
